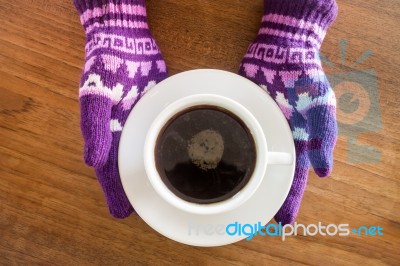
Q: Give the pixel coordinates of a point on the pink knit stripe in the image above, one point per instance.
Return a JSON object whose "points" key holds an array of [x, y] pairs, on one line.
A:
{"points": [[295, 22], [113, 9], [289, 35], [118, 23]]}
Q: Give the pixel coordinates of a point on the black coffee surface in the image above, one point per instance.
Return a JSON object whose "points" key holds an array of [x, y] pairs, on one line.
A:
{"points": [[205, 154]]}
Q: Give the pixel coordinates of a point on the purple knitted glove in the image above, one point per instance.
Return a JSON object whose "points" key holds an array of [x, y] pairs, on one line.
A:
{"points": [[122, 63], [284, 60]]}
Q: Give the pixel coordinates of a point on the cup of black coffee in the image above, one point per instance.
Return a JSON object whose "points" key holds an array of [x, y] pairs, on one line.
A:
{"points": [[207, 154]]}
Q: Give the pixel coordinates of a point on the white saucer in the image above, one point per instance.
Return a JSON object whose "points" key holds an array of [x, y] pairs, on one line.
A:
{"points": [[188, 228]]}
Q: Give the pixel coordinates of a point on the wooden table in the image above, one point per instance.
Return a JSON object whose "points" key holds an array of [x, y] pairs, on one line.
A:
{"points": [[52, 210]]}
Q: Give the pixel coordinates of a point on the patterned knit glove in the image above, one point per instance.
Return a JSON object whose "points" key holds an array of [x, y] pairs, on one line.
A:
{"points": [[122, 63], [284, 60]]}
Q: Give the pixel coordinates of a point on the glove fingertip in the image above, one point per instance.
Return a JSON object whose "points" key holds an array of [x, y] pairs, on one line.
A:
{"points": [[323, 172], [322, 162], [121, 213], [323, 136], [96, 154], [285, 217]]}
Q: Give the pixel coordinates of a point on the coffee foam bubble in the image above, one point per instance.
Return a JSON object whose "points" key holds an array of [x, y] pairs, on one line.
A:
{"points": [[205, 149]]}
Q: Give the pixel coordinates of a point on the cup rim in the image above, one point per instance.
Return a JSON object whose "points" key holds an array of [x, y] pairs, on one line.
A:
{"points": [[210, 100]]}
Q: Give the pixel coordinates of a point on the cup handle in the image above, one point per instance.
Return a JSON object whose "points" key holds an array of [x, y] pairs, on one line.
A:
{"points": [[280, 158]]}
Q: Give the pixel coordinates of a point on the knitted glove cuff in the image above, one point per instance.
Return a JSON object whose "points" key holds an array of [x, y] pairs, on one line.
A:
{"points": [[320, 12], [111, 12], [106, 5], [297, 21]]}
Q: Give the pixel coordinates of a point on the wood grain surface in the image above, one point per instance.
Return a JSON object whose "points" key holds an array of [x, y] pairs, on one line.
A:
{"points": [[52, 210]]}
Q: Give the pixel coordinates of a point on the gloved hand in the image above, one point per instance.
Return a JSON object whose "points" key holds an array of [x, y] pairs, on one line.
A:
{"points": [[122, 63], [284, 60]]}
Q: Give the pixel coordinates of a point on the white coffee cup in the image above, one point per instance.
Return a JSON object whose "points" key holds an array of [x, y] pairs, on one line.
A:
{"points": [[263, 158]]}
